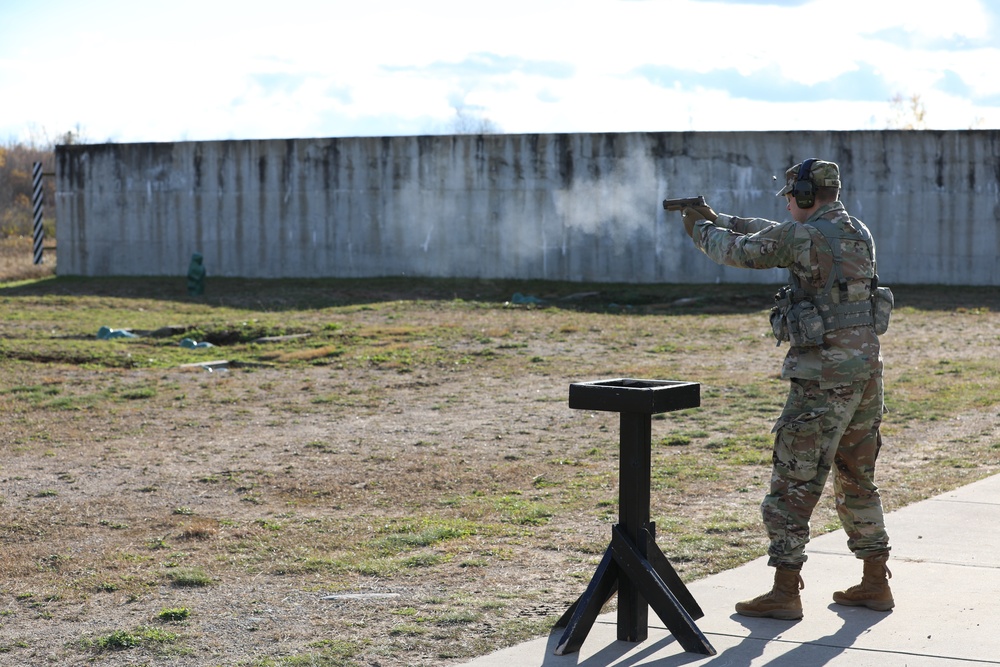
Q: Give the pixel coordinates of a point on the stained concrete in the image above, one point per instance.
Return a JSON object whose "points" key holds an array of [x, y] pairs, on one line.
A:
{"points": [[576, 207]]}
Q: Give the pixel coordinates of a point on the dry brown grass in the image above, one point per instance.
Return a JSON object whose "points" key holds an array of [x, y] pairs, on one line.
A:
{"points": [[17, 260]]}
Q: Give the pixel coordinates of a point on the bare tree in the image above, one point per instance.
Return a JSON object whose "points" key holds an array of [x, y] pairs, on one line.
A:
{"points": [[907, 114], [465, 122], [74, 136]]}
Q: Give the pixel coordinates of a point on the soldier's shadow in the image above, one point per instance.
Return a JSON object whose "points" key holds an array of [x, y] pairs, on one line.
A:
{"points": [[762, 633], [856, 621]]}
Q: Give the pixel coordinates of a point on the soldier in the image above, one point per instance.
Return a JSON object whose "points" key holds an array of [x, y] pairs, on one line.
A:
{"points": [[829, 313]]}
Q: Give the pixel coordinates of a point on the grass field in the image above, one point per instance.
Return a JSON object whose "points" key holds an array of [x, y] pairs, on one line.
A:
{"points": [[386, 472]]}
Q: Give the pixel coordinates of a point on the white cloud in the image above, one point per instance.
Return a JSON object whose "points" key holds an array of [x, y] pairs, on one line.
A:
{"points": [[134, 72]]}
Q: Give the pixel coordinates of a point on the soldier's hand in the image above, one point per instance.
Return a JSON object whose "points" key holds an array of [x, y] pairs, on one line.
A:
{"points": [[690, 216], [706, 213]]}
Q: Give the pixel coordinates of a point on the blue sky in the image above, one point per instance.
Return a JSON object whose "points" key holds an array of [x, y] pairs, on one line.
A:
{"points": [[216, 69]]}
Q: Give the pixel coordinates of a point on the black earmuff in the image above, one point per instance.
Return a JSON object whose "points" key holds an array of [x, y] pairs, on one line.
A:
{"points": [[804, 190]]}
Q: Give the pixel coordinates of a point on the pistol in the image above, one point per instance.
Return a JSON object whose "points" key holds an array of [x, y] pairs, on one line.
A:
{"points": [[683, 202]]}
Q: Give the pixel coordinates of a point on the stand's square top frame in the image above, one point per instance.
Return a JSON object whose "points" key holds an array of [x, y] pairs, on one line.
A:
{"points": [[647, 397]]}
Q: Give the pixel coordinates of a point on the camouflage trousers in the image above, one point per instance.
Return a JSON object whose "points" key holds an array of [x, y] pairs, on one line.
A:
{"points": [[823, 428]]}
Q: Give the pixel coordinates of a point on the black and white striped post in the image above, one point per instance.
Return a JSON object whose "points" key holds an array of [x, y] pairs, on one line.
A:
{"points": [[36, 200]]}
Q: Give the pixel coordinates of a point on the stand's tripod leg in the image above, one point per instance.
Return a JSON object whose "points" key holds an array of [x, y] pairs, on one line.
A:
{"points": [[635, 566], [580, 617]]}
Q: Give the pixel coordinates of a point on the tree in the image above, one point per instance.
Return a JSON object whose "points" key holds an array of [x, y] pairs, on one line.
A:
{"points": [[907, 114], [465, 122], [17, 188], [71, 137]]}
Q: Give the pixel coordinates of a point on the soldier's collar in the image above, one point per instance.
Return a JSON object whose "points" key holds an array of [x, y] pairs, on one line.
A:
{"points": [[826, 208]]}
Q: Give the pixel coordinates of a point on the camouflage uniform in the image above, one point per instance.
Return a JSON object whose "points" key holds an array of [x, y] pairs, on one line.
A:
{"points": [[834, 408]]}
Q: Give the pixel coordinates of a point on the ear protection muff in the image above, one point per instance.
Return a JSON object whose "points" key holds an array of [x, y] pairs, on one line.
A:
{"points": [[804, 190]]}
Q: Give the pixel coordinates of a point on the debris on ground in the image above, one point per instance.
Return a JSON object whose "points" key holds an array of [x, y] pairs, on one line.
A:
{"points": [[192, 344], [107, 333]]}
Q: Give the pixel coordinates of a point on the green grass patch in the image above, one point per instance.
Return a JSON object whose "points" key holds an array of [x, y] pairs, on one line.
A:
{"points": [[406, 535], [126, 639], [943, 387], [189, 577], [174, 615], [329, 653]]}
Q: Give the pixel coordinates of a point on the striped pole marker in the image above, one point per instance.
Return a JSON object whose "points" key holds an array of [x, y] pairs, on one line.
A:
{"points": [[36, 199]]}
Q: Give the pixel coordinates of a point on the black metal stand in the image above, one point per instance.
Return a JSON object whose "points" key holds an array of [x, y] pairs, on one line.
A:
{"points": [[633, 566]]}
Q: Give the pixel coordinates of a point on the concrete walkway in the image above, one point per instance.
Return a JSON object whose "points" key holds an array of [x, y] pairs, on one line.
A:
{"points": [[946, 583]]}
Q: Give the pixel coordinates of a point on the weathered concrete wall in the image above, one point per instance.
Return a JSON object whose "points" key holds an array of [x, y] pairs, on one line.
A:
{"points": [[580, 207]]}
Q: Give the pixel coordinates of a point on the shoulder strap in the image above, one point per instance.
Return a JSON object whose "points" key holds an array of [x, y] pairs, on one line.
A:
{"points": [[866, 236], [833, 235]]}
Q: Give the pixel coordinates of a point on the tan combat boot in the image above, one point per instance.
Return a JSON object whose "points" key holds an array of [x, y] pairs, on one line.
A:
{"points": [[782, 601], [873, 591]]}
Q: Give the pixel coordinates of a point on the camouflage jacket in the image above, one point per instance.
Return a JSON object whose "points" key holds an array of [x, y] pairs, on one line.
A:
{"points": [[847, 355]]}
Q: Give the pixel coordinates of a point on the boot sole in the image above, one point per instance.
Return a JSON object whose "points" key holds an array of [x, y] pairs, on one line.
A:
{"points": [[874, 606]]}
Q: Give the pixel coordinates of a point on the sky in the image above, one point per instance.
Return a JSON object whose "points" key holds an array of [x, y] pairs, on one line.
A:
{"points": [[183, 70]]}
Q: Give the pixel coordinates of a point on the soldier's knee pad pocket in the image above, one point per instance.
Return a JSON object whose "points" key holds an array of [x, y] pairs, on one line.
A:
{"points": [[798, 444]]}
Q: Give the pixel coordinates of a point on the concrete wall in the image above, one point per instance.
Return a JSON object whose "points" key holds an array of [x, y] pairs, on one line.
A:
{"points": [[579, 207]]}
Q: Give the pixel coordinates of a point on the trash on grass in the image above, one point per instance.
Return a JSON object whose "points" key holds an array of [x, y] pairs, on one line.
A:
{"points": [[210, 366], [192, 344], [107, 333], [525, 299]]}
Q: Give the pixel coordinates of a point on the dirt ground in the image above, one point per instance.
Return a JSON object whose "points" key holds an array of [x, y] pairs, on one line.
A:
{"points": [[377, 463], [479, 501]]}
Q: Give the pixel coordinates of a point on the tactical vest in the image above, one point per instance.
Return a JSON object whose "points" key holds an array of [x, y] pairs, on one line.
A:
{"points": [[803, 317]]}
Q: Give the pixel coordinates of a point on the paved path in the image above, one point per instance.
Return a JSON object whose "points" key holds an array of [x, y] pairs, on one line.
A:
{"points": [[946, 583]]}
